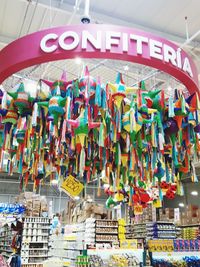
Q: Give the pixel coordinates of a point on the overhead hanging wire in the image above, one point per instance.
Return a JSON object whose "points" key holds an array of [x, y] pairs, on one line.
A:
{"points": [[25, 15], [50, 13], [36, 4]]}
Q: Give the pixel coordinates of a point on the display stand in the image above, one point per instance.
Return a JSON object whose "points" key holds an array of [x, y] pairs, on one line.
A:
{"points": [[69, 245], [6, 236], [35, 241]]}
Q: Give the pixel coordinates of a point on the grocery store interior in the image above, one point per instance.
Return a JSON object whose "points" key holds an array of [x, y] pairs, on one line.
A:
{"points": [[99, 133]]}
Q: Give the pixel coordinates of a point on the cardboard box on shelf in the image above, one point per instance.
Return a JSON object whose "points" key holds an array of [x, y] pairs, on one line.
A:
{"points": [[98, 209], [35, 204], [185, 221]]}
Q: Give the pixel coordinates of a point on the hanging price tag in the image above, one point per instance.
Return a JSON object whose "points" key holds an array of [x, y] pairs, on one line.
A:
{"points": [[71, 186], [157, 203], [138, 210]]}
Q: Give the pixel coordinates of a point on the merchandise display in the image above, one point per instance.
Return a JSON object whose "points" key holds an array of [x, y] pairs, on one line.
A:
{"points": [[2, 262], [116, 257], [6, 237], [35, 205], [185, 261], [99, 135], [35, 240], [190, 232], [157, 129]]}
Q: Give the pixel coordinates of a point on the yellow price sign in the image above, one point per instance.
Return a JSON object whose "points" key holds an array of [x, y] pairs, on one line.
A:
{"points": [[138, 210], [157, 203], [71, 186]]}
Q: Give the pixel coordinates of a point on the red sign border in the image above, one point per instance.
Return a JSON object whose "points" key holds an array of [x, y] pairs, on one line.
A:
{"points": [[26, 52]]}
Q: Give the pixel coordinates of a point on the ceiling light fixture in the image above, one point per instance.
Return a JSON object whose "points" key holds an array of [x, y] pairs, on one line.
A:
{"points": [[54, 182], [78, 60], [194, 193], [126, 68]]}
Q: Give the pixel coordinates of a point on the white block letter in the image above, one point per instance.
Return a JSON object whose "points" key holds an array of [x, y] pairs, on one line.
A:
{"points": [[112, 38], [88, 37], [139, 41], [73, 44], [169, 54], [187, 67], [155, 49], [45, 39]]}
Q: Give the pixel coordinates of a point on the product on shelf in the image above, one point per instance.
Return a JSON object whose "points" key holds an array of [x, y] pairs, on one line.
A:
{"points": [[35, 240], [11, 238], [2, 262], [36, 205], [123, 261], [33, 265], [176, 245], [161, 230], [148, 215], [69, 244], [191, 215], [190, 231], [182, 262], [96, 261], [88, 209], [161, 245], [101, 233], [83, 261], [6, 237]]}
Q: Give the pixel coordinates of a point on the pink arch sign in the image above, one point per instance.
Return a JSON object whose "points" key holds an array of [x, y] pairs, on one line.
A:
{"points": [[99, 41]]}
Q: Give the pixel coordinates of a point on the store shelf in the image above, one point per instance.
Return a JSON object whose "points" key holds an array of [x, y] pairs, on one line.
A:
{"points": [[37, 242], [8, 251], [32, 263], [107, 233], [106, 226], [35, 235], [29, 243], [5, 255], [36, 256], [39, 228], [32, 249], [190, 225], [75, 249], [175, 254], [100, 241]]}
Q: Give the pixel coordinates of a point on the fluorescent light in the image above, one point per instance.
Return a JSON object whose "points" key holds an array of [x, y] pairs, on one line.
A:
{"points": [[54, 182], [78, 61], [169, 89], [194, 193], [126, 68], [106, 186], [181, 205]]}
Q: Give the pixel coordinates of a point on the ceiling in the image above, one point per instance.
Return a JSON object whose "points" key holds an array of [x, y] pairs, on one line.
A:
{"points": [[159, 17]]}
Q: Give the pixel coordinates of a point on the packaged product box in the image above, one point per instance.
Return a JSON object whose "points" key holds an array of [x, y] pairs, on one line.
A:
{"points": [[36, 204], [88, 206], [187, 245], [192, 245], [197, 245], [124, 243], [98, 209], [132, 243], [185, 221], [35, 214], [181, 245], [44, 205], [195, 220]]}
